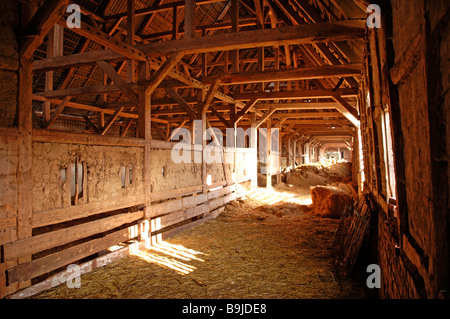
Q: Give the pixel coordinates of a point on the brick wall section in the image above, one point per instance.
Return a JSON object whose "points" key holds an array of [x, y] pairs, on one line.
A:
{"points": [[396, 282]]}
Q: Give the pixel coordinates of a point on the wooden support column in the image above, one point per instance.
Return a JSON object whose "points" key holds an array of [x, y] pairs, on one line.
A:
{"points": [[289, 154], [225, 70], [54, 49], [269, 155], [144, 131], [189, 19], [131, 65], [234, 54], [48, 83], [287, 54], [261, 65], [279, 152], [24, 169], [201, 115], [254, 146], [277, 66], [174, 23]]}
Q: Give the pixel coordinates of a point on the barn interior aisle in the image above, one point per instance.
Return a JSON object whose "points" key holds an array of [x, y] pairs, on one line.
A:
{"points": [[268, 245], [224, 149], [252, 250]]}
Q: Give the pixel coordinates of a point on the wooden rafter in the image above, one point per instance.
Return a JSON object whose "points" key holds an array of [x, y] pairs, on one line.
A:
{"points": [[347, 110], [244, 110], [220, 117], [307, 33], [111, 121], [210, 96], [108, 41], [58, 111], [162, 71], [181, 102], [41, 23], [266, 115], [318, 72], [175, 131], [118, 81], [302, 94]]}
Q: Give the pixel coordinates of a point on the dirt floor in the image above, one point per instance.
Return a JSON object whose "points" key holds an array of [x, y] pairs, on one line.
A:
{"points": [[269, 245]]}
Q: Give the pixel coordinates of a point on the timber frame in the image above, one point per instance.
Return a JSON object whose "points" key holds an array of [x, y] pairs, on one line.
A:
{"points": [[134, 75]]}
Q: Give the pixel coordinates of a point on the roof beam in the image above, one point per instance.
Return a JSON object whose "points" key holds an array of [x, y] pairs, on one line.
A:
{"points": [[160, 8], [181, 102], [305, 94], [246, 108], [347, 110], [307, 33], [41, 23], [162, 71], [108, 41], [115, 115], [118, 81], [266, 115], [318, 72], [219, 116], [58, 111], [210, 96], [298, 106], [307, 115], [299, 34]]}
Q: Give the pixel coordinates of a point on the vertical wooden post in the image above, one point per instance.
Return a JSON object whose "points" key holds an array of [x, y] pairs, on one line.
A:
{"points": [[204, 58], [234, 28], [189, 19], [279, 152], [295, 63], [202, 116], [254, 145], [225, 69], [269, 155], [46, 111], [175, 23], [131, 65], [289, 155], [287, 53], [54, 49], [25, 161], [277, 67], [261, 64], [144, 131], [294, 153], [234, 127]]}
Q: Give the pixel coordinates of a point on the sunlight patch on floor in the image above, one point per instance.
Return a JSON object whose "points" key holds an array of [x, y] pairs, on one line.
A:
{"points": [[170, 256]]}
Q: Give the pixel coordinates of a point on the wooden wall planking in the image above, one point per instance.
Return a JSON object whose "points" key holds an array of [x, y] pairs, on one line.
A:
{"points": [[212, 206]]}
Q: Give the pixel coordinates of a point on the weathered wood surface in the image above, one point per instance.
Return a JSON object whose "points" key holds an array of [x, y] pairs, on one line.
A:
{"points": [[351, 232]]}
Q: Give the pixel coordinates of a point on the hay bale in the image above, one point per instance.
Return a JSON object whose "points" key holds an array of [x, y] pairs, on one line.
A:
{"points": [[348, 188], [330, 202], [306, 179]]}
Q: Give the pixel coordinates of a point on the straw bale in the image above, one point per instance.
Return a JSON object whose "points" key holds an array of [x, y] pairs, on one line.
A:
{"points": [[330, 202]]}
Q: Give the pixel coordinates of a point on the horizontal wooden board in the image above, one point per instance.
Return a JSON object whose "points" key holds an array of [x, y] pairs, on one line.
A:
{"points": [[54, 216], [54, 136], [208, 202], [35, 244], [61, 277], [54, 261], [166, 194], [172, 232], [177, 217], [8, 131]]}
